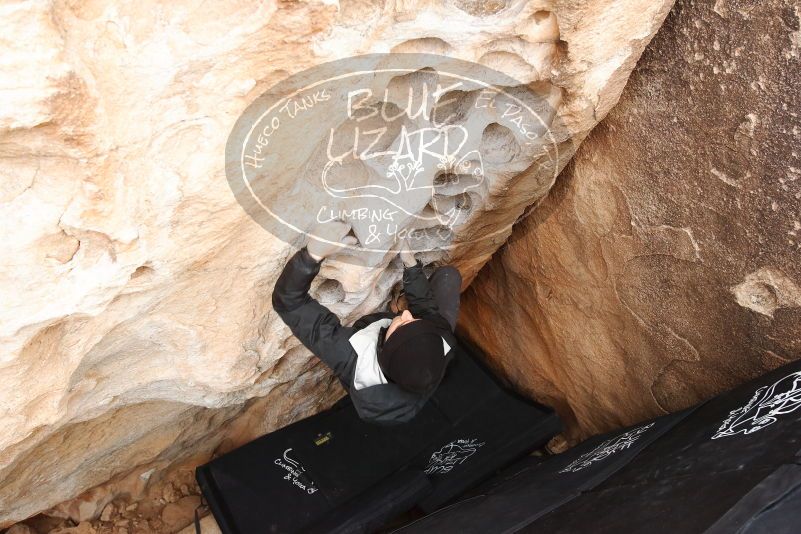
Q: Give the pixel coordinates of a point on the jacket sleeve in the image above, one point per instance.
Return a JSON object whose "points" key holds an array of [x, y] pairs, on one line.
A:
{"points": [[422, 303], [312, 323]]}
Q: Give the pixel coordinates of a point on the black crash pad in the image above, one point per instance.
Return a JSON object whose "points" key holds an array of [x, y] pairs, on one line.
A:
{"points": [[533, 487], [720, 470], [335, 472], [772, 506], [730, 464]]}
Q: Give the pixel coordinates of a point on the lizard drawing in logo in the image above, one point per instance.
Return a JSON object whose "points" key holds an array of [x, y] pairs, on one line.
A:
{"points": [[606, 449], [449, 456], [764, 408], [409, 174]]}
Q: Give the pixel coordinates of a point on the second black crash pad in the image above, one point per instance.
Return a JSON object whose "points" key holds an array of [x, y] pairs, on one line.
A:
{"points": [[730, 464], [533, 487], [321, 470], [735, 458]]}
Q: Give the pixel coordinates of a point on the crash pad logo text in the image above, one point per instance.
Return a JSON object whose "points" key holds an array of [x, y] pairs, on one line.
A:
{"points": [[449, 456], [765, 407], [606, 449], [295, 473]]}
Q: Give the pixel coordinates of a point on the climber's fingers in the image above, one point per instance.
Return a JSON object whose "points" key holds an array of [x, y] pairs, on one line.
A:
{"points": [[329, 238], [406, 253]]}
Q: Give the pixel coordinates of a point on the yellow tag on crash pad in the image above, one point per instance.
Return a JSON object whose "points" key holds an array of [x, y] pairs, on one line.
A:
{"points": [[322, 438]]}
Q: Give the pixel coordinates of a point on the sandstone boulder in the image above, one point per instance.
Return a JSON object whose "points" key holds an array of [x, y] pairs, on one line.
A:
{"points": [[136, 317], [663, 266]]}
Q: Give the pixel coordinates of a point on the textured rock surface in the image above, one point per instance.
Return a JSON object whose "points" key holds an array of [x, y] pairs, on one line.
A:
{"points": [[136, 317], [664, 265]]}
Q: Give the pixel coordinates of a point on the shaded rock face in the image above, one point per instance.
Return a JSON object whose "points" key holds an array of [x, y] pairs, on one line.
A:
{"points": [[664, 265], [136, 320]]}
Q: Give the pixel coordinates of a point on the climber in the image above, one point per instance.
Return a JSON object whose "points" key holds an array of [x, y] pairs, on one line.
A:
{"points": [[390, 363]]}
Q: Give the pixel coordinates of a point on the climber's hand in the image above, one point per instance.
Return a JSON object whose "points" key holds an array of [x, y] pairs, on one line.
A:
{"points": [[332, 236], [406, 254]]}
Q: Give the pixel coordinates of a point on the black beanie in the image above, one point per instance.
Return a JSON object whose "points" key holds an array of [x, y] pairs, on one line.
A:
{"points": [[414, 356]]}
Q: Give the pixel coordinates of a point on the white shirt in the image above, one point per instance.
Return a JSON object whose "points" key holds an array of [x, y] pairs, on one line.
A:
{"points": [[365, 343]]}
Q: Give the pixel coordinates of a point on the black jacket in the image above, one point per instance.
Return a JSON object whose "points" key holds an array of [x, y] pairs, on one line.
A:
{"points": [[322, 333]]}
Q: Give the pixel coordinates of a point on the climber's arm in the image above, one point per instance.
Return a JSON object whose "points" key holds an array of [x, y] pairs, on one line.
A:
{"points": [[422, 303], [312, 323]]}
